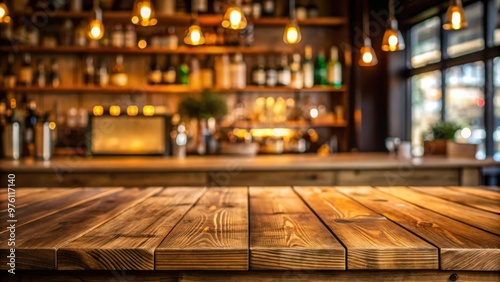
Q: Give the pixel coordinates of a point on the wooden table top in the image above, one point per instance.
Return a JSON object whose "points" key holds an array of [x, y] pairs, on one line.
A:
{"points": [[256, 228], [353, 161]]}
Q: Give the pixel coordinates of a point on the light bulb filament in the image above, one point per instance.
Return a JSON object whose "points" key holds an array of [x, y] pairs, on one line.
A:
{"points": [[456, 20]]}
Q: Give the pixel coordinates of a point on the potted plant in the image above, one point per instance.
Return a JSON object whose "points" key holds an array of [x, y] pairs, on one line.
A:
{"points": [[198, 110], [437, 138]]}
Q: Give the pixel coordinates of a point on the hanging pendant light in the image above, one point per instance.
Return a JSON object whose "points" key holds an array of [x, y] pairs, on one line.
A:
{"points": [[367, 57], [292, 31], [4, 13], [96, 28], [143, 13], [393, 39], [194, 35], [234, 18], [455, 16]]}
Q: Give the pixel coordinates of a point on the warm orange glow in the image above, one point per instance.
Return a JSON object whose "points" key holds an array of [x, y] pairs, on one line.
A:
{"points": [[142, 44], [132, 110], [367, 55], [292, 33], [4, 13], [234, 19], [455, 17], [114, 111], [143, 13], [52, 125], [148, 110], [194, 35], [98, 111], [96, 30]]}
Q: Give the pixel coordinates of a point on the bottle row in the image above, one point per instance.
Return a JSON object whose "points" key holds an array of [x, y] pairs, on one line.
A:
{"points": [[204, 72], [251, 8]]}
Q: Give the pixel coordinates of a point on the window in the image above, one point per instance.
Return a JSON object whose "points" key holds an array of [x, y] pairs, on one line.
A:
{"points": [[425, 43], [426, 106], [497, 28], [496, 103], [470, 39]]}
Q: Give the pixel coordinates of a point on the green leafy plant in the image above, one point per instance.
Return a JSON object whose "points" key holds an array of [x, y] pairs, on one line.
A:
{"points": [[206, 106], [442, 131]]}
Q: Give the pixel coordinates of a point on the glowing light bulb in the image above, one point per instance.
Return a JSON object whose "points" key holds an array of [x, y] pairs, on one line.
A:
{"points": [[4, 13], [195, 36], [148, 110], [52, 125], [132, 110], [292, 35], [456, 20], [96, 30], [145, 12], [367, 57], [393, 41], [142, 44], [235, 18], [114, 111], [98, 111]]}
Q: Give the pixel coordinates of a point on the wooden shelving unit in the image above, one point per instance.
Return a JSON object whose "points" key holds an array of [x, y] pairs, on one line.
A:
{"points": [[169, 89]]}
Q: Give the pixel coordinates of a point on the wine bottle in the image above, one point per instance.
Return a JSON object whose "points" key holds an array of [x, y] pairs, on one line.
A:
{"points": [[238, 72], [308, 68], [130, 36], [284, 73], [9, 77], [41, 75], [271, 73], [54, 79], [102, 76], [89, 73], [259, 72], [184, 71], [320, 69], [334, 68], [207, 73], [154, 71], [300, 10], [194, 74], [118, 75], [26, 71], [297, 80], [223, 72], [246, 8], [169, 73]]}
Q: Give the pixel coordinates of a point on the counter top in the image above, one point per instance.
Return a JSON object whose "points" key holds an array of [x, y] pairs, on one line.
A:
{"points": [[342, 229], [366, 161]]}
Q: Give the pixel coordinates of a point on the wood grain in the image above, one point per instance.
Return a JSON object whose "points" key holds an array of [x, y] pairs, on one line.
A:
{"points": [[285, 234], [37, 242], [43, 203], [213, 235], [481, 219], [128, 241], [372, 241], [461, 246], [491, 193], [398, 176], [461, 198], [282, 178]]}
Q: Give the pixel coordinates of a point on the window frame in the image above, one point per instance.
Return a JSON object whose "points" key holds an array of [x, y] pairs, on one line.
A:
{"points": [[485, 55]]}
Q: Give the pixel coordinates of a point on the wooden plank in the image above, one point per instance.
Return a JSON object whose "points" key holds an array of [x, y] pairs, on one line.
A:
{"points": [[285, 234], [391, 177], [213, 235], [372, 241], [461, 198], [470, 177], [481, 219], [37, 242], [462, 247], [49, 201], [270, 178], [253, 276], [128, 241], [484, 192]]}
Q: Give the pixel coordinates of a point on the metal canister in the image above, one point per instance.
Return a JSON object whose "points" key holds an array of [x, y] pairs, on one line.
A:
{"points": [[12, 141], [43, 141]]}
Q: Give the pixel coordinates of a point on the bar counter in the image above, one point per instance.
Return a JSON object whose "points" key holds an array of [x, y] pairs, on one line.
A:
{"points": [[255, 234], [341, 169]]}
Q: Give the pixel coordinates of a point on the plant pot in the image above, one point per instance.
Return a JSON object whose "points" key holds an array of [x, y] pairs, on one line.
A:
{"points": [[435, 147], [459, 150]]}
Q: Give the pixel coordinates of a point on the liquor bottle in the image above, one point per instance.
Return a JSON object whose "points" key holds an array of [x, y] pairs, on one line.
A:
{"points": [[259, 72], [154, 71], [256, 9], [89, 73], [117, 36], [223, 72], [26, 71], [9, 77], [65, 37], [130, 36], [170, 39], [54, 80], [297, 79], [271, 73], [308, 68], [194, 74], [238, 72], [334, 68], [284, 73], [29, 129], [207, 73], [169, 73], [312, 10], [300, 10], [246, 8], [118, 75], [184, 71], [102, 76], [320, 69], [200, 6], [268, 7], [81, 35], [41, 75]]}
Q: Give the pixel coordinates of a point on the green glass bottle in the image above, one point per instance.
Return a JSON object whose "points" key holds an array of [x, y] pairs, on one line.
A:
{"points": [[320, 69], [334, 68], [184, 71]]}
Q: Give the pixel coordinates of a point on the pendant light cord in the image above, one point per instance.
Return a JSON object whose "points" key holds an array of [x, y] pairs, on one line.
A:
{"points": [[366, 18], [292, 10], [391, 10]]}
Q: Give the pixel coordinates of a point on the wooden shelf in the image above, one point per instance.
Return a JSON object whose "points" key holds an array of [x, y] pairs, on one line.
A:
{"points": [[169, 89], [211, 50], [290, 124], [184, 19]]}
